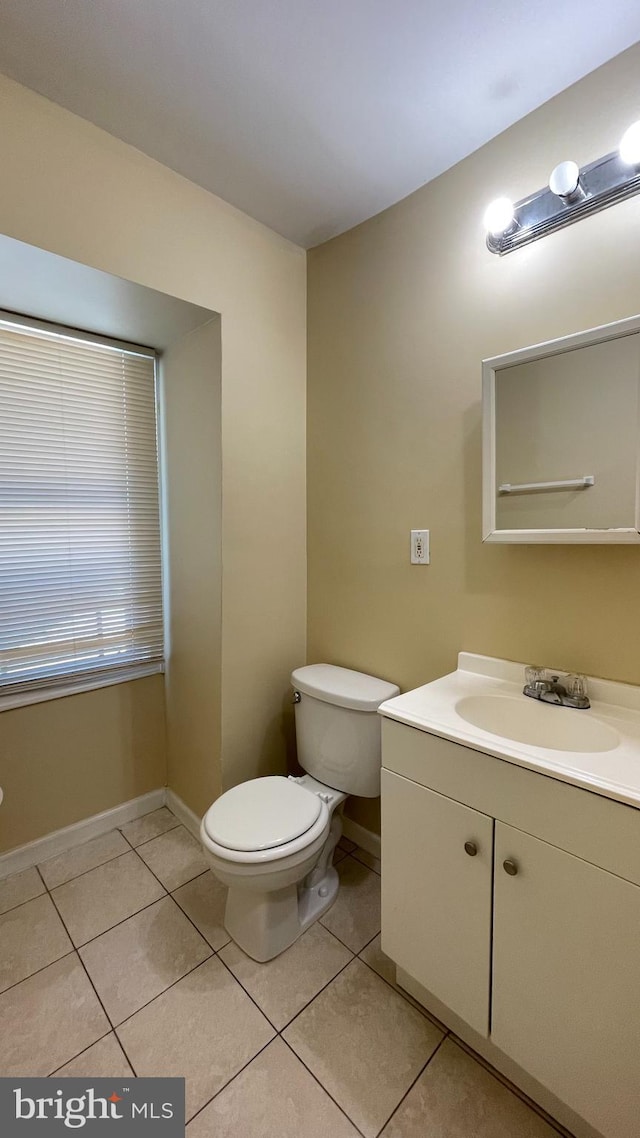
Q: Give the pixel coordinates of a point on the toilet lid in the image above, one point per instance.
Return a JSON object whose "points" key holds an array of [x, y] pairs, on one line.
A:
{"points": [[262, 814]]}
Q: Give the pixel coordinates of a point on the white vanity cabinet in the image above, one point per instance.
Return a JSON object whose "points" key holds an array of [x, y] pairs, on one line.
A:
{"points": [[566, 978], [437, 895], [541, 958]]}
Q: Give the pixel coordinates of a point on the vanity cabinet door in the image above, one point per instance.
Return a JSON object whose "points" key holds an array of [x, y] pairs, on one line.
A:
{"points": [[436, 894], [566, 978]]}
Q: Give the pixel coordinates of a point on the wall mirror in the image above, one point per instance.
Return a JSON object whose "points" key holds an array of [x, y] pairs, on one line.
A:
{"points": [[561, 439]]}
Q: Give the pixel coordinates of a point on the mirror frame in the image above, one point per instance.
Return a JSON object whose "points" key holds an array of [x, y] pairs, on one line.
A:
{"points": [[490, 533]]}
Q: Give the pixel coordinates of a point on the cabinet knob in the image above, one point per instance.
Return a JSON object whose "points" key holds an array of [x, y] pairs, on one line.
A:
{"points": [[510, 867], [470, 848]]}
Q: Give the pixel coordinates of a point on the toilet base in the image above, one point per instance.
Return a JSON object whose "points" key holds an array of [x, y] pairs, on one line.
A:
{"points": [[264, 924], [314, 900]]}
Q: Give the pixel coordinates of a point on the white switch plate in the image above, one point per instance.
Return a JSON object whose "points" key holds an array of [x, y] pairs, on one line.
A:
{"points": [[419, 546]]}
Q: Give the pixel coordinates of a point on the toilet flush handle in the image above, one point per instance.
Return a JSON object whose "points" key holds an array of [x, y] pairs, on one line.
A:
{"points": [[296, 697]]}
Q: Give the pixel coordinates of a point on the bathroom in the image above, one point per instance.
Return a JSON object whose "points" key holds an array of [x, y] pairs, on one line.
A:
{"points": [[348, 413]]}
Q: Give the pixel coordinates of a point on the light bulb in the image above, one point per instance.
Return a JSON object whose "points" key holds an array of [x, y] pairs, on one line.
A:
{"points": [[498, 216], [630, 145], [564, 179]]}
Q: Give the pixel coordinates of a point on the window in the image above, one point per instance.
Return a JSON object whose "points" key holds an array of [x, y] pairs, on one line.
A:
{"points": [[80, 557]]}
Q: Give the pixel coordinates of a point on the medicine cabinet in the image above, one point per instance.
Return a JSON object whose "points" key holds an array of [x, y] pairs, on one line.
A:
{"points": [[561, 439]]}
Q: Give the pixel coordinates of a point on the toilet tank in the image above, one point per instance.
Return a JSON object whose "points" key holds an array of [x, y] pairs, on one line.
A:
{"points": [[338, 729]]}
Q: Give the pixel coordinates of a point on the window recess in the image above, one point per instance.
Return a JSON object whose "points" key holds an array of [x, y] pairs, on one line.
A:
{"points": [[80, 549]]}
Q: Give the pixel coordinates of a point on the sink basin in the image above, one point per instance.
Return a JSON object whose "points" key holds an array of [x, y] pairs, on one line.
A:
{"points": [[537, 724], [481, 706]]}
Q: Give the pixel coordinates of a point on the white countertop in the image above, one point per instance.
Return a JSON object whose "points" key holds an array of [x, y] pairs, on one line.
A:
{"points": [[614, 772]]}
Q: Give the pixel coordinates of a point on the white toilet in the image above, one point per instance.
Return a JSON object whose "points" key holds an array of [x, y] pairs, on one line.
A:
{"points": [[271, 840]]}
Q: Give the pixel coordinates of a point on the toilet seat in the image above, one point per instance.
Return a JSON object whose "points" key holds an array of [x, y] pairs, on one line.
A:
{"points": [[265, 819]]}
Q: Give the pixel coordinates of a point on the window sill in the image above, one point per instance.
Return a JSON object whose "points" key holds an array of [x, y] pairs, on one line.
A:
{"points": [[68, 685]]}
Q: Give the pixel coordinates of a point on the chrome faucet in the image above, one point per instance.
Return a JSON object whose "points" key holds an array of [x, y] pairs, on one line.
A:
{"points": [[561, 690]]}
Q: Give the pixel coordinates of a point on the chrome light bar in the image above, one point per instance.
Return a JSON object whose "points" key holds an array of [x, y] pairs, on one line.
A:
{"points": [[571, 195]]}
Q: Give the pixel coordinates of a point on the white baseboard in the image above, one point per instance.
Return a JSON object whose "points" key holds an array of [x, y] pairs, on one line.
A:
{"points": [[61, 840], [186, 815], [366, 839]]}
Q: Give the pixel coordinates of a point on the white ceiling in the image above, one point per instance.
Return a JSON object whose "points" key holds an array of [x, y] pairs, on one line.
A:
{"points": [[309, 115]]}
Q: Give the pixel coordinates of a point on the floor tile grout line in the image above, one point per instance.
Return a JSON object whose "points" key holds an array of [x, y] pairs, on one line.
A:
{"points": [[116, 830], [247, 993], [469, 1050], [354, 855], [192, 922], [332, 934], [410, 1088], [405, 995], [170, 893], [232, 1079], [13, 908], [370, 941], [114, 1027], [47, 891], [84, 872], [200, 873], [277, 1032], [125, 1053], [95, 990], [117, 1026], [323, 1088], [74, 950], [82, 964], [212, 952], [288, 1023], [174, 888], [113, 926], [254, 1001], [57, 960], [508, 1085], [173, 983], [153, 838], [318, 993], [343, 942], [79, 1053]]}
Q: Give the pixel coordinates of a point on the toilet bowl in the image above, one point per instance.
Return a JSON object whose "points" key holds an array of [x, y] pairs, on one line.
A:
{"points": [[263, 914], [271, 840]]}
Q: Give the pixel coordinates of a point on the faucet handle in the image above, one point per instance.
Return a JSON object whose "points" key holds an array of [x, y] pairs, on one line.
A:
{"points": [[534, 675], [577, 686]]}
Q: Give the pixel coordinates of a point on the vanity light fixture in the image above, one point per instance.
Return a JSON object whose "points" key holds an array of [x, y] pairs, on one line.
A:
{"points": [[498, 218], [572, 194], [630, 145]]}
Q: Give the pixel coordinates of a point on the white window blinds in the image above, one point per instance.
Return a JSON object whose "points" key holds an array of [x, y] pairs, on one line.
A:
{"points": [[80, 564]]}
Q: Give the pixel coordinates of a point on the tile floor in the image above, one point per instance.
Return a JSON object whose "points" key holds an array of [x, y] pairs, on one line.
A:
{"points": [[114, 961]]}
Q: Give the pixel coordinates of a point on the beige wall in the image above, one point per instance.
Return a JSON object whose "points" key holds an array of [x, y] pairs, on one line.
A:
{"points": [[192, 477], [69, 758], [71, 188], [401, 312]]}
